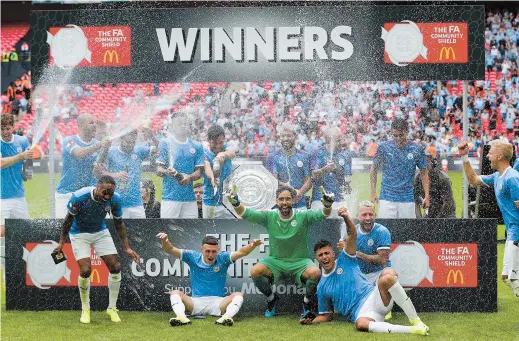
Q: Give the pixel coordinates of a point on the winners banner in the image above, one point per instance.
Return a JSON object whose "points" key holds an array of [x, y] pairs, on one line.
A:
{"points": [[445, 266], [279, 41]]}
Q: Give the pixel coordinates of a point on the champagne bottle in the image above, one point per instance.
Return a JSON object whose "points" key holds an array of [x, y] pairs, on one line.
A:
{"points": [[123, 183], [27, 170], [216, 168], [178, 176]]}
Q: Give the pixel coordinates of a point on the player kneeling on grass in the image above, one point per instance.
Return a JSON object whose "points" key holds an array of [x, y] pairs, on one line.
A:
{"points": [[344, 287], [208, 274], [85, 221]]}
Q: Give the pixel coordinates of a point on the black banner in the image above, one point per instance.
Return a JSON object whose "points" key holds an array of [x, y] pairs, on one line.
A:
{"points": [[326, 42], [34, 282]]}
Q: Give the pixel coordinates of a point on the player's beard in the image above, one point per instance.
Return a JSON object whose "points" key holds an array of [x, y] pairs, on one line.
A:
{"points": [[287, 145], [285, 210]]}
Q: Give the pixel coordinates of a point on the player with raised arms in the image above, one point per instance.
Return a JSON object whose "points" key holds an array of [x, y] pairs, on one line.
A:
{"points": [[290, 253], [86, 226], [208, 272], [505, 182], [344, 288]]}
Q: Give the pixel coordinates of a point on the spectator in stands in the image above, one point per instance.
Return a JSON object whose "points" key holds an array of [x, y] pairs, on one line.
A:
{"points": [[25, 53], [398, 160], [442, 204], [179, 164], [199, 194], [14, 151], [151, 205], [291, 166], [79, 153]]}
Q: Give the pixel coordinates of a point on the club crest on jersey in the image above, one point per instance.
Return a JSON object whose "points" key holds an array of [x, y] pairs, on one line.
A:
{"points": [[134, 156], [370, 242], [70, 144], [340, 271], [192, 150], [299, 163], [19, 149], [410, 156], [293, 223], [341, 162], [216, 268]]}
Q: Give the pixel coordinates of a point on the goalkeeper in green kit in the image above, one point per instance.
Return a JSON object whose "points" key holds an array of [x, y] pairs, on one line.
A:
{"points": [[290, 251]]}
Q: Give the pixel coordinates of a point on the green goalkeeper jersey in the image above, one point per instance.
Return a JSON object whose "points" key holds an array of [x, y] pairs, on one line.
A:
{"points": [[288, 238]]}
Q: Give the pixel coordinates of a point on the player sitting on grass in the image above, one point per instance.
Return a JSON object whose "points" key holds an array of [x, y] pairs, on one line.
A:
{"points": [[290, 253], [343, 287], [208, 274]]}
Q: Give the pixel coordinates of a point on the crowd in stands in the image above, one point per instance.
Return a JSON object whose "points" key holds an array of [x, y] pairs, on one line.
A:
{"points": [[250, 112]]}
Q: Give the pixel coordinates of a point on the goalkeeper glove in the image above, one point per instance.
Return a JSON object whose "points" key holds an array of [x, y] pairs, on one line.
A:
{"points": [[327, 198], [233, 197]]}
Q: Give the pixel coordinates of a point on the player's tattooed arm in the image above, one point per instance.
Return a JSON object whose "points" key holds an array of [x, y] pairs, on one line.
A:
{"points": [[67, 224], [380, 258], [318, 319], [162, 171], [121, 231], [351, 239]]}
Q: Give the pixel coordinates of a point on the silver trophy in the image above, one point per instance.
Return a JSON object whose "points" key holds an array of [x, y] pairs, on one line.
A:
{"points": [[256, 187]]}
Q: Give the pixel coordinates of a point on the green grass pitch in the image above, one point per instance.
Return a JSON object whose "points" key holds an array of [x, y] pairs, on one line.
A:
{"points": [[65, 325]]}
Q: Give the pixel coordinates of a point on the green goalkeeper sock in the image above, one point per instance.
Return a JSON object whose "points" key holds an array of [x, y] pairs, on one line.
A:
{"points": [[311, 288], [263, 285]]}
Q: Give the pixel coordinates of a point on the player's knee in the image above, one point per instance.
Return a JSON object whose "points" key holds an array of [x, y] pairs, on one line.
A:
{"points": [[314, 274], [387, 280], [256, 272], [176, 292], [389, 271], [85, 273], [237, 294], [362, 324], [114, 268]]}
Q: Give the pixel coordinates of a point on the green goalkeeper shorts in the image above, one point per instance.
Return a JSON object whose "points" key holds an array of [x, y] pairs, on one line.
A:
{"points": [[287, 268]]}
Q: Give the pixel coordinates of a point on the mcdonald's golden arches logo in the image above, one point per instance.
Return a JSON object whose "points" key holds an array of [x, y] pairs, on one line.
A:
{"points": [[455, 274], [94, 273], [111, 54], [448, 52]]}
